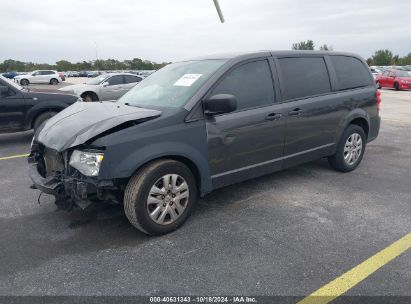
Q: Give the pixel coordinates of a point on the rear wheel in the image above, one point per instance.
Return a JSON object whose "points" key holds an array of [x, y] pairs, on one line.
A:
{"points": [[24, 82], [89, 96], [350, 149], [159, 197], [42, 118], [54, 81]]}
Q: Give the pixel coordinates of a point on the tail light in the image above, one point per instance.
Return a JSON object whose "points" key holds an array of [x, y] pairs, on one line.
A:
{"points": [[378, 96]]}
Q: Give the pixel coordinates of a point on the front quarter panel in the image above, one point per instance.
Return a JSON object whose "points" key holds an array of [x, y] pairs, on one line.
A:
{"points": [[129, 149]]}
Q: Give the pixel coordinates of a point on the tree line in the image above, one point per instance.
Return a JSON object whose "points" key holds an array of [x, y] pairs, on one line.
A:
{"points": [[65, 65], [380, 57]]}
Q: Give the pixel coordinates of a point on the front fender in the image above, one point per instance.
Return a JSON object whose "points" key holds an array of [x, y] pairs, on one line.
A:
{"points": [[136, 159]]}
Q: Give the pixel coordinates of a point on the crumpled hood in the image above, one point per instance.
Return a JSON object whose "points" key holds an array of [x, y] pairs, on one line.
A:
{"points": [[84, 120]]}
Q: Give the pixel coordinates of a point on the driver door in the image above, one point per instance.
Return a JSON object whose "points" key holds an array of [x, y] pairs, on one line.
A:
{"points": [[248, 142], [12, 109], [115, 89]]}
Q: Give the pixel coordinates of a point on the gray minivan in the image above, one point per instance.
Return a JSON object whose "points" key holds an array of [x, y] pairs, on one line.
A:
{"points": [[198, 125]]}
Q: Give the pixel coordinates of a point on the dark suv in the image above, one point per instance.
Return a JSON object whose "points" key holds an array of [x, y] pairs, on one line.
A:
{"points": [[199, 125], [23, 108]]}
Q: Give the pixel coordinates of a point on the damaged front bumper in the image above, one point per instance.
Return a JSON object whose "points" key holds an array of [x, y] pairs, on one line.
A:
{"points": [[69, 187]]}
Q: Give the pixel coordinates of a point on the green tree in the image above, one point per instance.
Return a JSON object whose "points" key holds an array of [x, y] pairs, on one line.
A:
{"points": [[326, 48], [64, 65], [383, 57], [304, 45]]}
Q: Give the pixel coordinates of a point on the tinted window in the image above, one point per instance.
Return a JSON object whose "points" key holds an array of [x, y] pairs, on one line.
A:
{"points": [[351, 72], [303, 77], [132, 79], [115, 80], [251, 83]]}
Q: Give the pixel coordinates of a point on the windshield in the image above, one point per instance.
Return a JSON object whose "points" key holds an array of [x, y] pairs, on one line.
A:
{"points": [[11, 83], [173, 85], [403, 74], [98, 80]]}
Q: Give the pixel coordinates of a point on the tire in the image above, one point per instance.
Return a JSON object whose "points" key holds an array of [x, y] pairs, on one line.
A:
{"points": [[139, 192], [24, 82], [54, 81], [90, 96], [396, 86], [338, 160], [378, 85], [42, 118]]}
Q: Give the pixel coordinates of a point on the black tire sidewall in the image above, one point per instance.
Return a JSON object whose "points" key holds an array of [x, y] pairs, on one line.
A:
{"points": [[140, 201], [54, 81], [42, 118], [24, 82], [340, 152]]}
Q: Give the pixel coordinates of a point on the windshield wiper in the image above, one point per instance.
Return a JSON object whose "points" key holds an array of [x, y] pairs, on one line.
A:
{"points": [[130, 105]]}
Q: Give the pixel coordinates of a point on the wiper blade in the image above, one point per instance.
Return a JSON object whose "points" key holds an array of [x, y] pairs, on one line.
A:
{"points": [[130, 105]]}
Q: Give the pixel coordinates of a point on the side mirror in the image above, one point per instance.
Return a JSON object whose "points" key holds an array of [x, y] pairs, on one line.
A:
{"points": [[220, 103], [4, 90], [105, 84]]}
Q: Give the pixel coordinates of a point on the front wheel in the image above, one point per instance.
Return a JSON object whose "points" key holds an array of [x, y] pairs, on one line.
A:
{"points": [[160, 196], [397, 86], [42, 118], [350, 149], [24, 82], [54, 81]]}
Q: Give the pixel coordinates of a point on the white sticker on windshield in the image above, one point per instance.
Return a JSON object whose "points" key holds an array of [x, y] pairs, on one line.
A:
{"points": [[187, 80]]}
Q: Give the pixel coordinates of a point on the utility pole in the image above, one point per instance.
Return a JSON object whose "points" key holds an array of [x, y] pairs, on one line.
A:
{"points": [[219, 12]]}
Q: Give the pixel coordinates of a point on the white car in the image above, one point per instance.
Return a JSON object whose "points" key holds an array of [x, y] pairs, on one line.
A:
{"points": [[104, 87], [39, 76]]}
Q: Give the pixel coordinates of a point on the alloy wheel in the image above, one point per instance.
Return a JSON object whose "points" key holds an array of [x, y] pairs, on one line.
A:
{"points": [[353, 149], [168, 198]]}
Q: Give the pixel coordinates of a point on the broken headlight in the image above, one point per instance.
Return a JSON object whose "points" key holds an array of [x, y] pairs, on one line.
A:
{"points": [[88, 163]]}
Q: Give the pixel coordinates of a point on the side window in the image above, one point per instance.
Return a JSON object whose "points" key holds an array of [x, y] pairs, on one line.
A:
{"points": [[385, 73], [251, 83], [351, 72], [115, 80], [392, 74], [132, 79], [304, 77]]}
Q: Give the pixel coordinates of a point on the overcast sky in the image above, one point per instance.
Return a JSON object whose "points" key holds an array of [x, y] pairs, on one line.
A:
{"points": [[169, 30]]}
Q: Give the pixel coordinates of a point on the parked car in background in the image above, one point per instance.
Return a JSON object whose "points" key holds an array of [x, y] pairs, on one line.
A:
{"points": [[23, 109], [93, 74], [397, 79], [105, 87], [72, 74], [82, 74], [10, 75], [375, 72], [199, 125], [39, 76]]}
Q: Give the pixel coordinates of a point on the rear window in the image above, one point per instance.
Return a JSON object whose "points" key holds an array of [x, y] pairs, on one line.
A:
{"points": [[304, 77], [351, 72]]}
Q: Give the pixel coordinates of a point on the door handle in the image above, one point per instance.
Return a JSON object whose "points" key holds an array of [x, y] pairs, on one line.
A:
{"points": [[295, 112], [273, 116]]}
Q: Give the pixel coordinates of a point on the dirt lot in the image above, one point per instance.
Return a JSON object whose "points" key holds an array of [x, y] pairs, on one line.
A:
{"points": [[288, 233]]}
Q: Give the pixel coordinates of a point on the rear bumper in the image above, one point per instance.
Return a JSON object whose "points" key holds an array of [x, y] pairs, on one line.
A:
{"points": [[375, 123]]}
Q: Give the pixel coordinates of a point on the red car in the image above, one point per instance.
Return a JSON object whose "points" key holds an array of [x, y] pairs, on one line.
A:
{"points": [[397, 79], [62, 76]]}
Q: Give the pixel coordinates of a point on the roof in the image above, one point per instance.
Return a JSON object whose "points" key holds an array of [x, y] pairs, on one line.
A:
{"points": [[274, 53]]}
